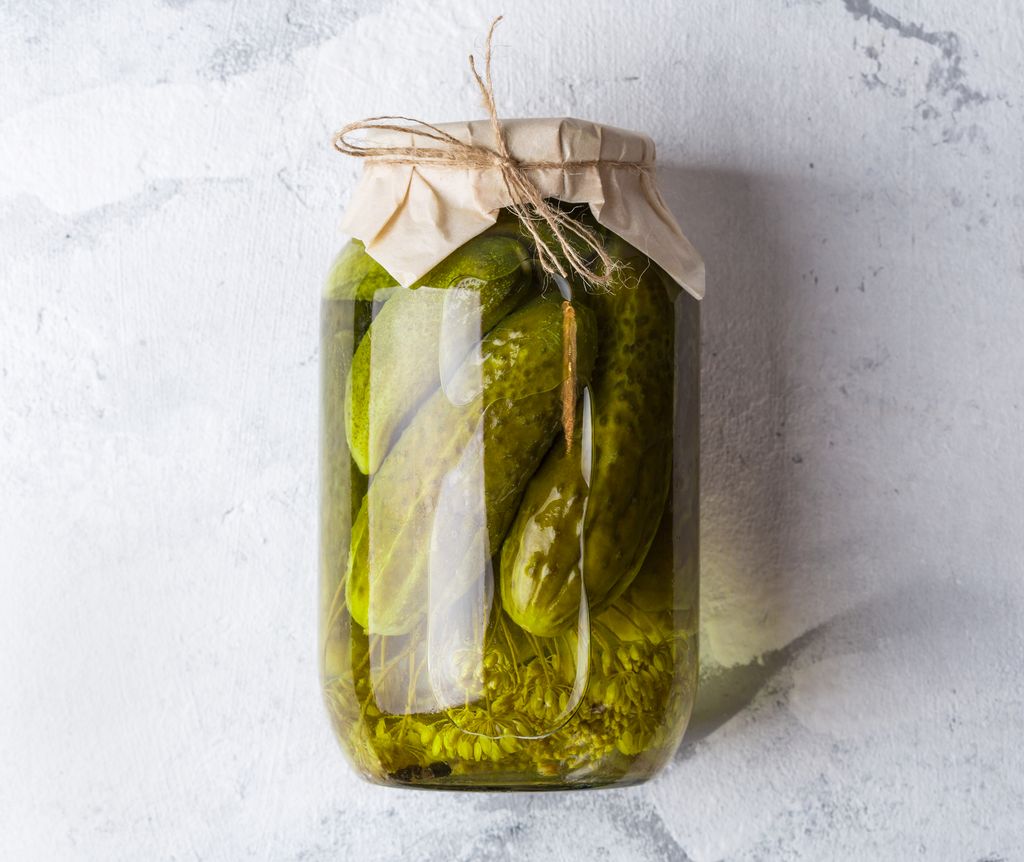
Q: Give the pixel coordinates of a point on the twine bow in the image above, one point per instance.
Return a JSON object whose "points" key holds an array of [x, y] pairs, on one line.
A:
{"points": [[566, 260]]}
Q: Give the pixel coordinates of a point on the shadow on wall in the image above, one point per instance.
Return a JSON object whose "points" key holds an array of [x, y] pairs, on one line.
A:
{"points": [[738, 222]]}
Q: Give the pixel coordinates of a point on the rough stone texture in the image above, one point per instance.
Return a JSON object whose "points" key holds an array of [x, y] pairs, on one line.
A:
{"points": [[168, 205]]}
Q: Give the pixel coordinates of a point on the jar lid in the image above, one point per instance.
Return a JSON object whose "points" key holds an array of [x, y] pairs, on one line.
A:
{"points": [[413, 214]]}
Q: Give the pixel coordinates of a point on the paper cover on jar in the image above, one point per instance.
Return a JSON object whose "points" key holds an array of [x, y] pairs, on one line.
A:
{"points": [[412, 216]]}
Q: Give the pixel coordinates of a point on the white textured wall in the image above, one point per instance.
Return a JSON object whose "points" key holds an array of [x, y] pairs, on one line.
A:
{"points": [[854, 175]]}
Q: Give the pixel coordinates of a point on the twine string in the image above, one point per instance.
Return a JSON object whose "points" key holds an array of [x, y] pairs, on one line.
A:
{"points": [[577, 251]]}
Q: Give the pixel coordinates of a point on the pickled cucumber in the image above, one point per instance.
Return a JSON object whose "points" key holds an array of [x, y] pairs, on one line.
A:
{"points": [[477, 442], [422, 333], [543, 562]]}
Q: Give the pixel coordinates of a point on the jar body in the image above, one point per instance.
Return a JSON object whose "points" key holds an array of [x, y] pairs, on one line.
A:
{"points": [[509, 525]]}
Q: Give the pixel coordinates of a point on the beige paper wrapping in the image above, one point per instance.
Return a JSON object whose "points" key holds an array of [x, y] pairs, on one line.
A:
{"points": [[412, 216]]}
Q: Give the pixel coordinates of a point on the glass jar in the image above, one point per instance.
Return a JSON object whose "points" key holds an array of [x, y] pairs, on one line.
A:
{"points": [[509, 523]]}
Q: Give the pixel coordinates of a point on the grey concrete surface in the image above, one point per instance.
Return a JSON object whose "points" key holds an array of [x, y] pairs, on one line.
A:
{"points": [[853, 174]]}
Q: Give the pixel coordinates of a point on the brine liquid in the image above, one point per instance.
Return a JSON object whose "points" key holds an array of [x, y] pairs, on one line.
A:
{"points": [[466, 699]]}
